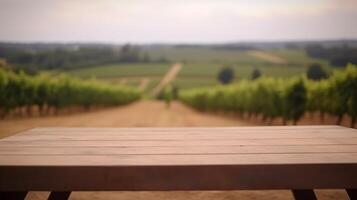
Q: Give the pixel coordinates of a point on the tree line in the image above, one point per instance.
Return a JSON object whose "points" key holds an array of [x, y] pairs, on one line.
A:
{"points": [[288, 99], [21, 92], [33, 61], [337, 56]]}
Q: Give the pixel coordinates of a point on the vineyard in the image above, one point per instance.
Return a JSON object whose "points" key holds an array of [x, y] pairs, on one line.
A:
{"points": [[20, 93], [288, 99]]}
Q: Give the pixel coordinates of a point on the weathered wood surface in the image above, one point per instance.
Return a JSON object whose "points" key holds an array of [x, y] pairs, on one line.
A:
{"points": [[100, 159]]}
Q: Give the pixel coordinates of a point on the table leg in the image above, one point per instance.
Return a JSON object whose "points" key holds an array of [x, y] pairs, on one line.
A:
{"points": [[304, 194], [352, 193], [63, 195], [18, 195]]}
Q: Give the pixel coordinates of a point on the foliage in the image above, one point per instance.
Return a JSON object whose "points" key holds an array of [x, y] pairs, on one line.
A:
{"points": [[256, 74], [226, 75], [295, 100], [286, 98], [21, 90], [316, 72], [337, 56], [72, 57]]}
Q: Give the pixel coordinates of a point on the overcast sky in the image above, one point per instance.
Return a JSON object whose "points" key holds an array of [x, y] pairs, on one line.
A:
{"points": [[174, 21]]}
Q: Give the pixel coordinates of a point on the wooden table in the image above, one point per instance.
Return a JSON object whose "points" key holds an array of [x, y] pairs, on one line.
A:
{"points": [[62, 160]]}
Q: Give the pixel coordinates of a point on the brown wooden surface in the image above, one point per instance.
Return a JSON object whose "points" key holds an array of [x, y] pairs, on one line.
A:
{"points": [[283, 157]]}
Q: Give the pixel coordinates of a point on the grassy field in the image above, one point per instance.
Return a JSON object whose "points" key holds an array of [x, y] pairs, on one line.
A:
{"points": [[296, 57], [134, 81], [123, 70], [210, 70], [205, 74], [126, 74], [239, 57], [191, 82], [200, 66], [203, 54]]}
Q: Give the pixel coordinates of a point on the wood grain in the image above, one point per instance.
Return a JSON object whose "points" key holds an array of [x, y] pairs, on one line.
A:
{"points": [[102, 159], [185, 150]]}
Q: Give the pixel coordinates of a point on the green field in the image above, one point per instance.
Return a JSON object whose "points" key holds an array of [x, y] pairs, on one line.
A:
{"points": [[133, 82], [204, 54], [205, 74], [123, 70], [200, 66], [297, 57], [186, 82], [243, 64], [210, 70]]}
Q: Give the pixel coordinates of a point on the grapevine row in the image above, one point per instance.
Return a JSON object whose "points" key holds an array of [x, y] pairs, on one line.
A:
{"points": [[47, 92], [285, 98]]}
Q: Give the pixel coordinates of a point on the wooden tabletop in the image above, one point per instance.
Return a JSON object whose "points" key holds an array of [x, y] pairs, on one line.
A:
{"points": [[280, 157]]}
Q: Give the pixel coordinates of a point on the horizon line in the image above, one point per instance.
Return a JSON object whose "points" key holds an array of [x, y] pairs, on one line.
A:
{"points": [[349, 39]]}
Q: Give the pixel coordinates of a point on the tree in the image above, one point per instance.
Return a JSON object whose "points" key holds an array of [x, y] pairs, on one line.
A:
{"points": [[226, 75], [146, 58], [256, 74], [338, 56], [129, 54], [316, 72]]}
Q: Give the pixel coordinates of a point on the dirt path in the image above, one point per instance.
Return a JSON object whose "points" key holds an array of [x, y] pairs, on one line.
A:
{"points": [[144, 114], [143, 84], [268, 57], [169, 76], [139, 114]]}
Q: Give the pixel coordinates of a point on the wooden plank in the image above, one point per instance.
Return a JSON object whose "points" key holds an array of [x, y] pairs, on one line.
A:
{"points": [[165, 178], [182, 130], [166, 131], [157, 160], [189, 150], [171, 129], [183, 136], [65, 159], [252, 142], [189, 130]]}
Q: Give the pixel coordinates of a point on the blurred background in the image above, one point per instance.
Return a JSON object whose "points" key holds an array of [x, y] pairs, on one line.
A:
{"points": [[121, 63]]}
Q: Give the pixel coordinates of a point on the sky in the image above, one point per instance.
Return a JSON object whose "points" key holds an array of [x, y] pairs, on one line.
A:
{"points": [[176, 21]]}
